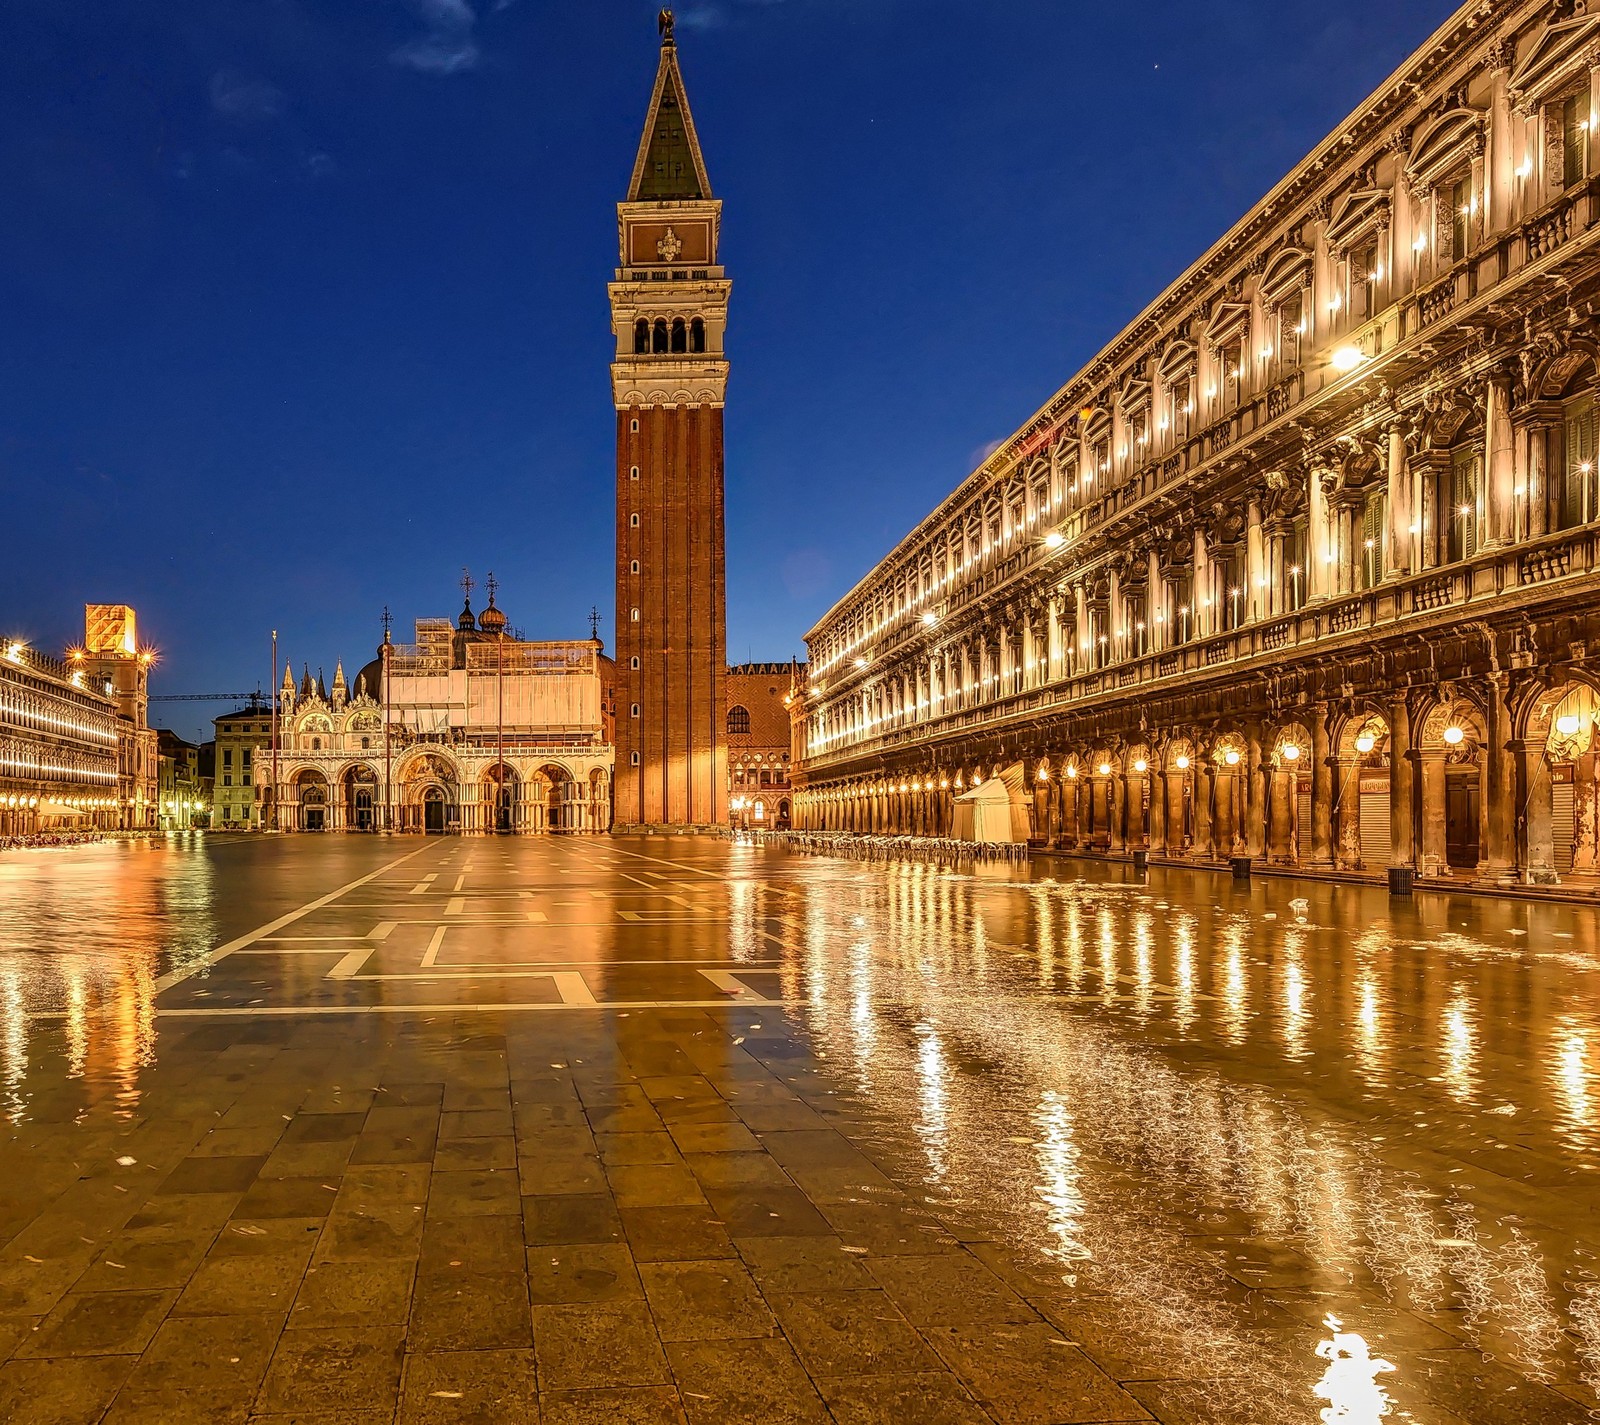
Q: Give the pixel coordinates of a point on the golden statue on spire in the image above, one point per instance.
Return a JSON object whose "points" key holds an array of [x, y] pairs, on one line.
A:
{"points": [[665, 23]]}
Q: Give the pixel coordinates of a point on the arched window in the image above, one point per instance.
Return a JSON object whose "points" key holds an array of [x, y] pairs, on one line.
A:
{"points": [[641, 336], [738, 721], [697, 335], [680, 339], [660, 344]]}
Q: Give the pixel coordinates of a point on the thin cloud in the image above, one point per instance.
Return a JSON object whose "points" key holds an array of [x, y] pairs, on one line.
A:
{"points": [[447, 45], [238, 97]]}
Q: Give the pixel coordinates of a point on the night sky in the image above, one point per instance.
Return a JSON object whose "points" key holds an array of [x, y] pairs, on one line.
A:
{"points": [[302, 302]]}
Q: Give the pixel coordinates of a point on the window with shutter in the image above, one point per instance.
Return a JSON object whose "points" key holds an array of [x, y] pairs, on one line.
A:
{"points": [[1374, 516], [1574, 138], [1466, 476], [1363, 267], [1291, 327], [1577, 505], [1460, 193]]}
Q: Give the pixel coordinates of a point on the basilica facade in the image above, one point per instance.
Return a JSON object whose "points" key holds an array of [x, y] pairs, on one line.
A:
{"points": [[471, 728], [1302, 566]]}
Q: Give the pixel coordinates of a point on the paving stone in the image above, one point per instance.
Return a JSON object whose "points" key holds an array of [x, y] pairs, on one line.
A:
{"points": [[582, 1347], [1029, 1375], [570, 1275], [346, 1370], [98, 1324], [481, 1387], [639, 1405], [736, 1382], [703, 1301], [839, 1333], [63, 1391], [358, 1293], [930, 1398], [467, 1308]]}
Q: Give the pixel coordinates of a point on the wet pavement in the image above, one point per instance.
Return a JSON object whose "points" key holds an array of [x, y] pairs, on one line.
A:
{"points": [[369, 1129]]}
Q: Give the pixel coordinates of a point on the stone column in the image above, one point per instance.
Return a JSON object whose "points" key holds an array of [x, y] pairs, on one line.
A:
{"points": [[1201, 617], [1204, 796], [1318, 584], [1255, 593], [1322, 770], [1117, 810], [1173, 783], [1156, 837], [1397, 554], [1499, 783], [1533, 796], [1500, 462], [1431, 762], [1402, 774], [1255, 800], [1282, 784]]}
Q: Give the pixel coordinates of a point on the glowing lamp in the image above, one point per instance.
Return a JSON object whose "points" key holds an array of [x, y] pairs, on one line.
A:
{"points": [[860, 662], [929, 619], [1366, 742], [1453, 735], [1044, 775], [1291, 753], [1231, 757], [1104, 769], [1072, 774], [1183, 764], [1141, 765], [1568, 724], [1347, 358], [1054, 540]]}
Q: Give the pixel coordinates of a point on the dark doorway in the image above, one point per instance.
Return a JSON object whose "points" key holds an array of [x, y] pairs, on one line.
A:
{"points": [[433, 811], [1461, 847]]}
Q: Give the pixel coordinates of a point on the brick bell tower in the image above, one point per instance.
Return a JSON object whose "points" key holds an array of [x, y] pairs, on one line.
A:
{"points": [[669, 310]]}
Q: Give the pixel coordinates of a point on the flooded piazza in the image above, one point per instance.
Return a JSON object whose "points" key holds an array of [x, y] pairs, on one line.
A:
{"points": [[685, 1129]]}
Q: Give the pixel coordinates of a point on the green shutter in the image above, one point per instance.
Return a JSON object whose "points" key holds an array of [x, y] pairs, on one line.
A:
{"points": [[1578, 465]]}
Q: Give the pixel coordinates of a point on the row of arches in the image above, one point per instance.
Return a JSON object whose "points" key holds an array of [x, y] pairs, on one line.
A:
{"points": [[1471, 782], [433, 796], [668, 338]]}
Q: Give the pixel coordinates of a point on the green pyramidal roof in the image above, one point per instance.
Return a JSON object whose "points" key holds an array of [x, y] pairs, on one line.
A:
{"points": [[669, 166]]}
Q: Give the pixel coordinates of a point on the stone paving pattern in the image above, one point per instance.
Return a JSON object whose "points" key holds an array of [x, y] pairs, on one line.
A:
{"points": [[618, 1216]]}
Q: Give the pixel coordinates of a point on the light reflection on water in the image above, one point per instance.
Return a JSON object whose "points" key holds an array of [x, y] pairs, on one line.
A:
{"points": [[86, 933], [1218, 1177]]}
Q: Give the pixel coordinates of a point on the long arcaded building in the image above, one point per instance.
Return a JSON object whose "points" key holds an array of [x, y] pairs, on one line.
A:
{"points": [[1301, 566]]}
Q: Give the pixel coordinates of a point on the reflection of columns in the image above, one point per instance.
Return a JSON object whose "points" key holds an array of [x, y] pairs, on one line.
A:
{"points": [[1160, 818], [1402, 776], [1321, 790]]}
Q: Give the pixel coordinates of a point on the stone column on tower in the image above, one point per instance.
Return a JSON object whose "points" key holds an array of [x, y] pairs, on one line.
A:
{"points": [[669, 306]]}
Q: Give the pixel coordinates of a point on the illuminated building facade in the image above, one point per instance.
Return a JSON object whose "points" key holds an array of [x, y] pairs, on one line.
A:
{"points": [[760, 796], [471, 728], [112, 657], [1302, 566], [181, 803], [669, 308], [238, 734], [74, 743]]}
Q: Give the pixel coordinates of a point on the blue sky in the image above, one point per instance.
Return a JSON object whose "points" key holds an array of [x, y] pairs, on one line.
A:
{"points": [[302, 302]]}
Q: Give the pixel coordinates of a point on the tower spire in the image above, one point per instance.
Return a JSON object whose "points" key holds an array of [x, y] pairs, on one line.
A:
{"points": [[669, 167]]}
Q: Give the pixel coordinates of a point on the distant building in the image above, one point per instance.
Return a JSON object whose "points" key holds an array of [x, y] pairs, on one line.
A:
{"points": [[75, 751], [238, 734], [758, 733], [178, 801], [472, 728]]}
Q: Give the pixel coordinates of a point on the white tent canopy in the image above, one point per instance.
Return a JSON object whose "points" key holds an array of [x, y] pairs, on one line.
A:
{"points": [[996, 810]]}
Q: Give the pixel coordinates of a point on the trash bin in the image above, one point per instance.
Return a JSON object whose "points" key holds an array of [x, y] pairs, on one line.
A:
{"points": [[1400, 880], [1241, 867], [1141, 861]]}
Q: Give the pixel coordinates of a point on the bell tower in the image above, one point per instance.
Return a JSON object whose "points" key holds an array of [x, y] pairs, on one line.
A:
{"points": [[669, 309]]}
